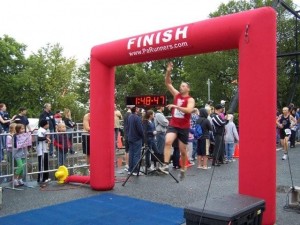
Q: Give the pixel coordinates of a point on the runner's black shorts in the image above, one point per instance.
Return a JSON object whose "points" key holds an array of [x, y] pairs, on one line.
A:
{"points": [[282, 134], [182, 134]]}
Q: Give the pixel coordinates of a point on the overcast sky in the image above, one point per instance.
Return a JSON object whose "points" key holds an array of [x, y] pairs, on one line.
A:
{"points": [[78, 25]]}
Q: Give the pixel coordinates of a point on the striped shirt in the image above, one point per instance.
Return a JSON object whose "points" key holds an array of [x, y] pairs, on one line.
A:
{"points": [[218, 124]]}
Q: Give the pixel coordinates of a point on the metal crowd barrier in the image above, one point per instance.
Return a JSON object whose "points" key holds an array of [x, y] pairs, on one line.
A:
{"points": [[76, 161]]}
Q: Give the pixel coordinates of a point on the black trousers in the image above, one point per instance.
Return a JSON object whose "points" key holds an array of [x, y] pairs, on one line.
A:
{"points": [[43, 162], [176, 157], [218, 154], [293, 138]]}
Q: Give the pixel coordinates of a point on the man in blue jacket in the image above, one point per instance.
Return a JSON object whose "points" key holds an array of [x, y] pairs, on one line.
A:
{"points": [[135, 132]]}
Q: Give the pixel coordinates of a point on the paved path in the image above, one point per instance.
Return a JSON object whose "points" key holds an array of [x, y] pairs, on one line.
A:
{"points": [[162, 189]]}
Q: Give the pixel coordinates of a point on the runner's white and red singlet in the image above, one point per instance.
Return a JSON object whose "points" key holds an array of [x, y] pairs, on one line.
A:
{"points": [[180, 119]]}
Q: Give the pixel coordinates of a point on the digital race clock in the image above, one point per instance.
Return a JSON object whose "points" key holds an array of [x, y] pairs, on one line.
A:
{"points": [[146, 100]]}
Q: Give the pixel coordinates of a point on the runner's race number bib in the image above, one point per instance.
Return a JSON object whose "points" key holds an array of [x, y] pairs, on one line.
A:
{"points": [[178, 114], [287, 131]]}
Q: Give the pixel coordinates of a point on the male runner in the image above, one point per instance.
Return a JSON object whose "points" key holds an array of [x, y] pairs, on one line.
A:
{"points": [[179, 126]]}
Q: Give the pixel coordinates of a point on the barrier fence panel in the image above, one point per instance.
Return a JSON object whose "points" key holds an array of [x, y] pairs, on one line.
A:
{"points": [[67, 151]]}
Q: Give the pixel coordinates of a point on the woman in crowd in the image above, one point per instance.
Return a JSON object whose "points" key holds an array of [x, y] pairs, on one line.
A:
{"points": [[70, 125]]}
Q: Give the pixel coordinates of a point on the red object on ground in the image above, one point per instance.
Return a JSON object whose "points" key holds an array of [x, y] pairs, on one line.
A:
{"points": [[236, 151], [78, 179], [120, 144]]}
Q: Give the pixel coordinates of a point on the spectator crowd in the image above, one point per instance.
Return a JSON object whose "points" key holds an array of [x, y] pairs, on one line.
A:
{"points": [[148, 129], [215, 147], [51, 139]]}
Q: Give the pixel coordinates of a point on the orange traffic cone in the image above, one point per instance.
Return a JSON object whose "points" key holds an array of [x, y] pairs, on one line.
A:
{"points": [[120, 144], [236, 151]]}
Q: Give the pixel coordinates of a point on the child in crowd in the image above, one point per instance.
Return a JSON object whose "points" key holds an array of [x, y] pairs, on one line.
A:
{"points": [[42, 151], [203, 144], [61, 141], [19, 155], [231, 137], [9, 144], [190, 148], [58, 117]]}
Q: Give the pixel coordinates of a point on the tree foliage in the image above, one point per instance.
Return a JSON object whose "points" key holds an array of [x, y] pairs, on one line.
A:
{"points": [[145, 79], [48, 76], [12, 62], [222, 67], [82, 83], [287, 67], [44, 77], [12, 59]]}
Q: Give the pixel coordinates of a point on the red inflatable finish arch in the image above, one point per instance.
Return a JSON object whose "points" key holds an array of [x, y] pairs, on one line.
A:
{"points": [[253, 33]]}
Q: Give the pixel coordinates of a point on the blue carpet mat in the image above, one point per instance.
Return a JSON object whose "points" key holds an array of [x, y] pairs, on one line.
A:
{"points": [[106, 209]]}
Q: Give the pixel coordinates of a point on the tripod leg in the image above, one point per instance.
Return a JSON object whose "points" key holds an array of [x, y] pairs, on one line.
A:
{"points": [[140, 161], [162, 165], [138, 164]]}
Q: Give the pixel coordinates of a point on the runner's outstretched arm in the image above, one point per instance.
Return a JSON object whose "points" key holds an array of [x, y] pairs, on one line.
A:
{"points": [[168, 80]]}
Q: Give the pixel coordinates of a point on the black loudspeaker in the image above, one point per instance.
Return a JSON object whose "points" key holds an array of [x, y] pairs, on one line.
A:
{"points": [[294, 197], [233, 209]]}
